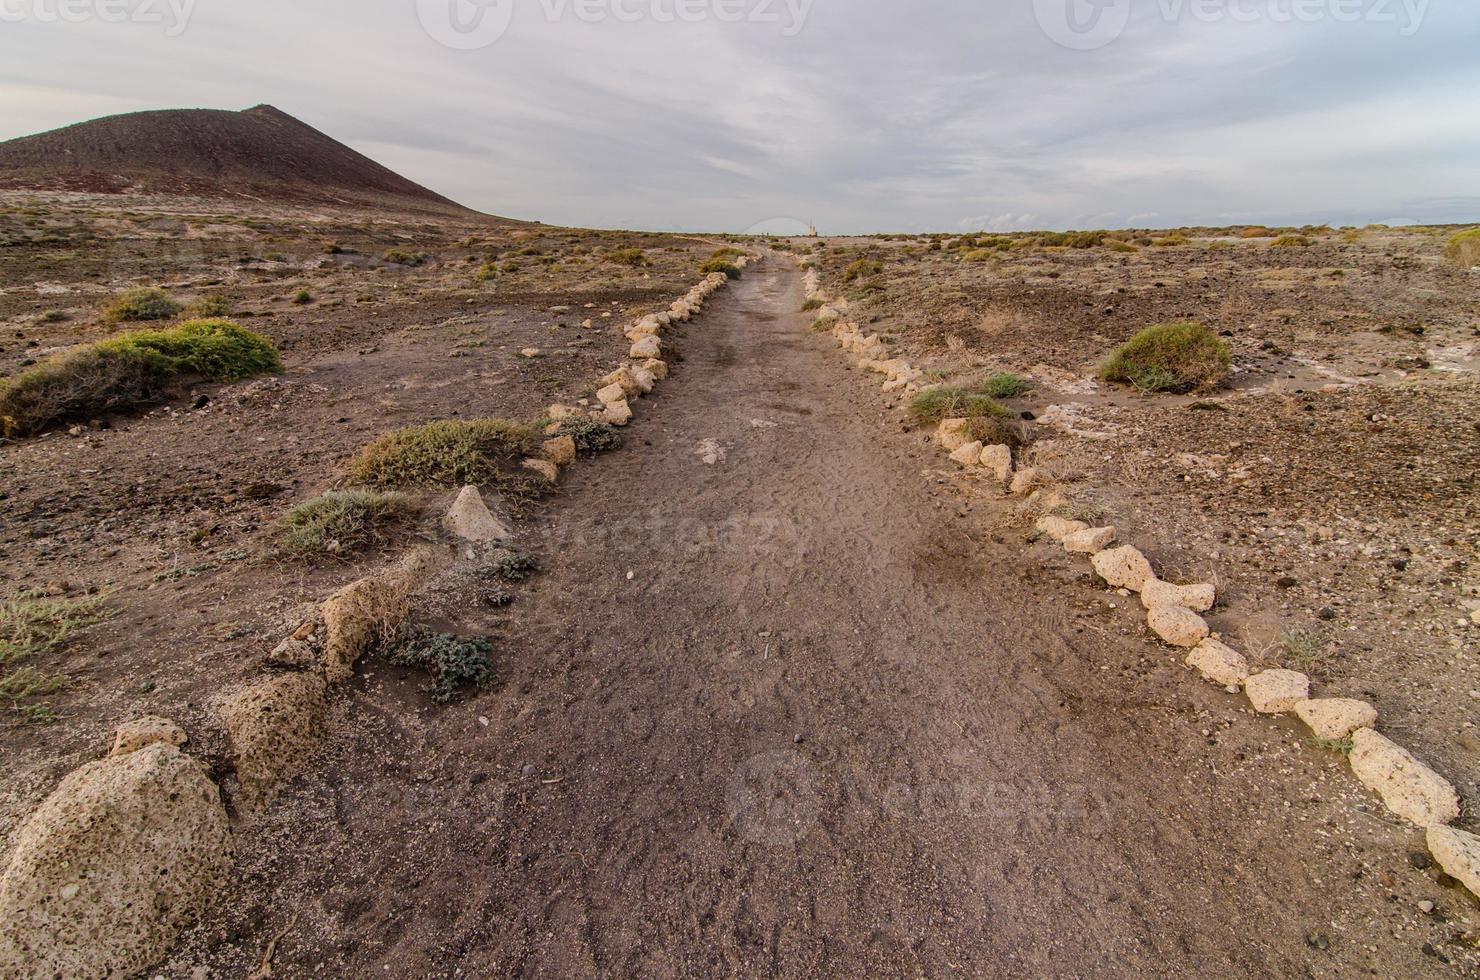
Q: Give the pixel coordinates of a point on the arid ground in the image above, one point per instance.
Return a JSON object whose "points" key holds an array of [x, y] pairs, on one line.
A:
{"points": [[788, 696]]}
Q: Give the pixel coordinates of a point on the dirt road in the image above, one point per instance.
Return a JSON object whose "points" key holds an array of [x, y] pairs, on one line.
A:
{"points": [[778, 708]]}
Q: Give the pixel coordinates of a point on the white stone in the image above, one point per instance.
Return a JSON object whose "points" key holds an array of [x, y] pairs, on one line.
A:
{"points": [[1277, 692], [1458, 853], [1219, 663], [647, 347], [1198, 598], [997, 460], [1089, 540], [951, 434], [969, 454], [1336, 718], [1123, 568], [470, 519], [1177, 626], [1408, 788], [1059, 528]]}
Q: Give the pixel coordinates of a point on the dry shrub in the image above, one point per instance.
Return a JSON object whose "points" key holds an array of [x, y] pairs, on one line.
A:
{"points": [[1464, 249], [446, 454]]}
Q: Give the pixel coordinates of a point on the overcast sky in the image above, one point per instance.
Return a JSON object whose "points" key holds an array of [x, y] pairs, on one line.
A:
{"points": [[863, 115]]}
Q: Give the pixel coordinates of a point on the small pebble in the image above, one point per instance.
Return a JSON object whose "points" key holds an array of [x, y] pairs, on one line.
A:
{"points": [[1427, 908]]}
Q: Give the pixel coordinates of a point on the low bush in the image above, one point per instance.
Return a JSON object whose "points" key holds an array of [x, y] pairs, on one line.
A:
{"points": [[447, 454], [1291, 241], [485, 272], [1464, 249], [129, 370], [403, 257], [935, 404], [1256, 231], [811, 304], [590, 435], [1170, 241], [862, 269], [1170, 357], [32, 625], [1004, 385], [53, 316], [634, 257], [824, 323], [720, 265], [342, 523], [978, 255], [140, 305], [1115, 245], [727, 253], [302, 297], [451, 660]]}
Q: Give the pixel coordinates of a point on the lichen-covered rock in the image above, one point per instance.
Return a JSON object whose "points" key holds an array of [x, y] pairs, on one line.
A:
{"points": [[1123, 568], [1336, 718], [146, 731], [273, 729], [1177, 626], [121, 857], [1219, 663], [1198, 598], [1277, 692], [1408, 788], [356, 617], [1059, 528], [1089, 540], [1458, 853]]}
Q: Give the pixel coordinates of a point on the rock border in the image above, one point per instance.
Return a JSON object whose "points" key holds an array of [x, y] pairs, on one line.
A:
{"points": [[1408, 788]]}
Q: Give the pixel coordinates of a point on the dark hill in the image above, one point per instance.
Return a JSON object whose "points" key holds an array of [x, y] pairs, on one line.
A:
{"points": [[257, 153]]}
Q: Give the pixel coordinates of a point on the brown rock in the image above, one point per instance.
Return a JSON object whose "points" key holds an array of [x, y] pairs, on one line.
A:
{"points": [[273, 728], [1336, 718], [1277, 692], [1408, 788], [561, 450], [1177, 626], [1123, 568], [143, 732]]}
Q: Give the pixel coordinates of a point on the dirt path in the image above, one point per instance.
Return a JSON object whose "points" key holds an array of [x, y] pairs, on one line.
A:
{"points": [[826, 727]]}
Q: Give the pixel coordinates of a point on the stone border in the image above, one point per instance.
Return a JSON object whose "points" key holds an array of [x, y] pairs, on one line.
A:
{"points": [[150, 818], [1408, 788]]}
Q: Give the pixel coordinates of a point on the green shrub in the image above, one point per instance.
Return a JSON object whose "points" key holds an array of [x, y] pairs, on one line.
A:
{"points": [[1004, 385], [485, 272], [403, 257], [302, 297], [1291, 241], [514, 566], [129, 370], [341, 523], [1119, 246], [1170, 241], [811, 304], [862, 269], [720, 265], [53, 316], [978, 255], [727, 253], [1173, 357], [139, 305], [451, 660], [1464, 249], [824, 323], [590, 435], [935, 404], [634, 257], [446, 454]]}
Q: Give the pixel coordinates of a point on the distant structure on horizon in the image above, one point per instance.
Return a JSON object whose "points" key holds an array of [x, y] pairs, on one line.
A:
{"points": [[812, 231]]}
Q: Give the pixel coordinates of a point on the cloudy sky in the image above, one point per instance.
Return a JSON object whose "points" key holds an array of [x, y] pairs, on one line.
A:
{"points": [[863, 115]]}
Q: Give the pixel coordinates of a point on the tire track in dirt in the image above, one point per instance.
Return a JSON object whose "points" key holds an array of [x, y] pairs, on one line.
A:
{"points": [[826, 728]]}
